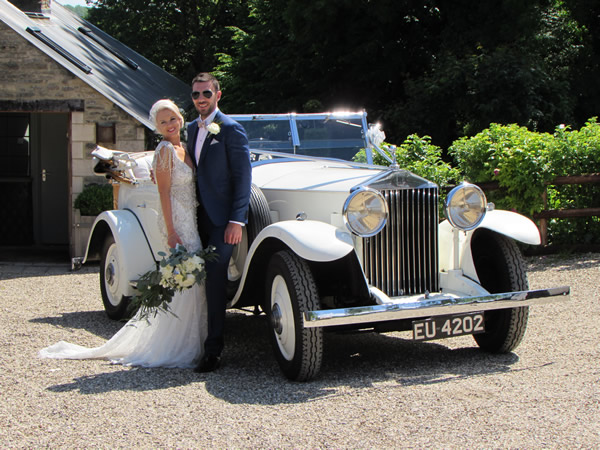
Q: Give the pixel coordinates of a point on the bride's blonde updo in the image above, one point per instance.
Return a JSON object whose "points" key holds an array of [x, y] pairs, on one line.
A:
{"points": [[165, 104]]}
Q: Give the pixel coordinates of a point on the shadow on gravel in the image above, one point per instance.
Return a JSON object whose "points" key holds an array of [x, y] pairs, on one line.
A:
{"points": [[128, 379], [12, 271], [96, 322], [562, 263], [249, 373], [357, 361]]}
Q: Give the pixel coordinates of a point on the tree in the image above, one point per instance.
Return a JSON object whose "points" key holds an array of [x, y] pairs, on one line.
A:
{"points": [[433, 67], [181, 36], [437, 67], [351, 54], [81, 11], [496, 63], [585, 89]]}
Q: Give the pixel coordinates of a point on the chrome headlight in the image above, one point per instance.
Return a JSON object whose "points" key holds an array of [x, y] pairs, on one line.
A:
{"points": [[465, 206], [365, 212]]}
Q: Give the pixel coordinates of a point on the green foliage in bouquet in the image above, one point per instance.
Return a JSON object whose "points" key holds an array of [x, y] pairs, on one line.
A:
{"points": [[176, 272]]}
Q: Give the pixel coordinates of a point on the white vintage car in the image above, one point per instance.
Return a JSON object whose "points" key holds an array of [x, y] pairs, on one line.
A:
{"points": [[333, 245]]}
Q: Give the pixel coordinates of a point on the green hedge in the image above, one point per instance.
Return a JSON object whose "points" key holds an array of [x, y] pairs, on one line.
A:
{"points": [[518, 159], [94, 199], [575, 153], [522, 162]]}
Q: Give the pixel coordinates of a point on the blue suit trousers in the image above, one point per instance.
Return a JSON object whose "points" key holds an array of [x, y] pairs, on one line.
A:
{"points": [[216, 279]]}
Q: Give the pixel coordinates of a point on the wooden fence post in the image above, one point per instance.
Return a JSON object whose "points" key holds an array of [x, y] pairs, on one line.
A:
{"points": [[543, 220]]}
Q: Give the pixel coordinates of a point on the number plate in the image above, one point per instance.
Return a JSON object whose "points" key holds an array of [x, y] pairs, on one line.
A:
{"points": [[448, 326]]}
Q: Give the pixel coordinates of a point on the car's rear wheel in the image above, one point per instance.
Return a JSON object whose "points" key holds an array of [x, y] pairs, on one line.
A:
{"points": [[291, 290], [259, 217], [500, 268], [112, 284]]}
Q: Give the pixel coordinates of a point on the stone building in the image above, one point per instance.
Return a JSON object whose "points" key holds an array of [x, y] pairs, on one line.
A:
{"points": [[64, 87]]}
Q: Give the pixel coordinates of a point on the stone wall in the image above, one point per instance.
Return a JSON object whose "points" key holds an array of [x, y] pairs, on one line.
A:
{"points": [[30, 77]]}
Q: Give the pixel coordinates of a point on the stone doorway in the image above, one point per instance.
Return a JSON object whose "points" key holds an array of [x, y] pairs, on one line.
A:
{"points": [[34, 180]]}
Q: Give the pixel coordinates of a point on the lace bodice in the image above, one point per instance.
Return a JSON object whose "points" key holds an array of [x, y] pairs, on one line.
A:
{"points": [[183, 196]]}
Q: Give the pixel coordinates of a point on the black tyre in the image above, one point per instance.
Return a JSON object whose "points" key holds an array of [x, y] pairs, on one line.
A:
{"points": [[500, 268], [290, 291], [259, 217], [112, 285]]}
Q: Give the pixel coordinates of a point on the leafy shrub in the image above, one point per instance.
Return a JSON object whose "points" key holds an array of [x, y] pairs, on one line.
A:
{"points": [[575, 153], [418, 155], [523, 162], [518, 159], [94, 199]]}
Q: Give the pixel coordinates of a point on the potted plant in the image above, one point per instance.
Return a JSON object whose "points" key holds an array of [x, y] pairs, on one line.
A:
{"points": [[94, 199]]}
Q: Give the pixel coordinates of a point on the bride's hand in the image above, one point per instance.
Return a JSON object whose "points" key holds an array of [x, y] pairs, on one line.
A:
{"points": [[173, 240]]}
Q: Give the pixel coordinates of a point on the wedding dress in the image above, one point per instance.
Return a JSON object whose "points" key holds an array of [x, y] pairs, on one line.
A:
{"points": [[165, 340]]}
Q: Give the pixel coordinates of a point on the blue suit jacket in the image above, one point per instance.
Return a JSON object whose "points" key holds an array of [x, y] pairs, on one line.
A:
{"points": [[223, 173]]}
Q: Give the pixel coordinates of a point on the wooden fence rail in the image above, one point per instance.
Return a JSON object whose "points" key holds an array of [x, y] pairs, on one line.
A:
{"points": [[546, 214]]}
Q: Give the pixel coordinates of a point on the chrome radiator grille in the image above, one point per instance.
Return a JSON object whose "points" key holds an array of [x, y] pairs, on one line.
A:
{"points": [[403, 258]]}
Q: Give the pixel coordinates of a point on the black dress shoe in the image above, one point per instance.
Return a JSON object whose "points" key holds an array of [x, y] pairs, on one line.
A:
{"points": [[208, 363]]}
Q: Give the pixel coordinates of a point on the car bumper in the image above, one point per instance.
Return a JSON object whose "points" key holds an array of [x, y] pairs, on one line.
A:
{"points": [[432, 305]]}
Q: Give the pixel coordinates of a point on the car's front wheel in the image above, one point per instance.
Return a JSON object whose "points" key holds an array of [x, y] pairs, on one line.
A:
{"points": [[112, 286], [500, 268], [291, 290]]}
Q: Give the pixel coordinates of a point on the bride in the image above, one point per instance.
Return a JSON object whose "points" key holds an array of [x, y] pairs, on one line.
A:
{"points": [[164, 340]]}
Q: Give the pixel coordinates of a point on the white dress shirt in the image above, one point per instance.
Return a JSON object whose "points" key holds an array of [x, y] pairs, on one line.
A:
{"points": [[203, 132]]}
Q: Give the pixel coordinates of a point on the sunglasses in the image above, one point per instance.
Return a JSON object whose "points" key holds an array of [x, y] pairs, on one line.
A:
{"points": [[207, 94]]}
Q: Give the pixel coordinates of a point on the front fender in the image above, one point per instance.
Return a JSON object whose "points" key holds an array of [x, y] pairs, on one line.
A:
{"points": [[513, 225], [311, 240], [134, 250], [508, 223]]}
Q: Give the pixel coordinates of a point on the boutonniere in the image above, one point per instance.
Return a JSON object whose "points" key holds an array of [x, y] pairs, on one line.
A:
{"points": [[213, 128]]}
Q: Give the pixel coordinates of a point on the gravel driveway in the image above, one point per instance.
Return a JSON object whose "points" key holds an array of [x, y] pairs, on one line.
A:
{"points": [[374, 390]]}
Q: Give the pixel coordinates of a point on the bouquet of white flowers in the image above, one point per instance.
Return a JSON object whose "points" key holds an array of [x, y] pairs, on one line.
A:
{"points": [[178, 271]]}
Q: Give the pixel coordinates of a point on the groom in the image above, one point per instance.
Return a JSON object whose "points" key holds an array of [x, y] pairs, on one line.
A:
{"points": [[218, 147]]}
